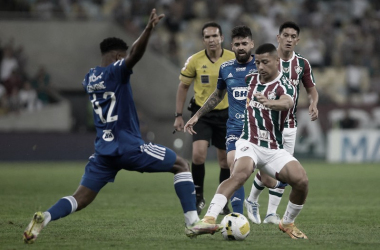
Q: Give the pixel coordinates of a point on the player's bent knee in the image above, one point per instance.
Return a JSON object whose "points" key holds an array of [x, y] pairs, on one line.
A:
{"points": [[180, 165]]}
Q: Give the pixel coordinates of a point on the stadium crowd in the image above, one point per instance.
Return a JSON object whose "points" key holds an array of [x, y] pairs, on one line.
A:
{"points": [[18, 90], [339, 37]]}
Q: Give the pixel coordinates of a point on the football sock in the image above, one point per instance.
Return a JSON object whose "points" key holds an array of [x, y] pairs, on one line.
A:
{"points": [[224, 174], [292, 210], [237, 200], [191, 217], [256, 189], [198, 171], [216, 205], [63, 207], [184, 187], [275, 195]]}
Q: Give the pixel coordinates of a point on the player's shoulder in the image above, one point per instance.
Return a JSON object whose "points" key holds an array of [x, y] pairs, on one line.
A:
{"points": [[300, 57], [251, 76], [199, 55], [227, 64]]}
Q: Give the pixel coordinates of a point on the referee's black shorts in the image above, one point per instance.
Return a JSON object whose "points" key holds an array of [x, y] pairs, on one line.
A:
{"points": [[212, 127]]}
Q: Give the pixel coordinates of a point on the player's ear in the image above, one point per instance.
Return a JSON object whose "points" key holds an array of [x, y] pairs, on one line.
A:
{"points": [[221, 38]]}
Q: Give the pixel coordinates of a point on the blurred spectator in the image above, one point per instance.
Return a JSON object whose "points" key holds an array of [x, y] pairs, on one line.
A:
{"points": [[347, 122], [13, 83], [28, 99], [8, 63], [41, 83]]}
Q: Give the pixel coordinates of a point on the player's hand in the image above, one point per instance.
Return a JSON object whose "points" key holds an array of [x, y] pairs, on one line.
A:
{"points": [[261, 99], [178, 124], [154, 19], [189, 127], [313, 112]]}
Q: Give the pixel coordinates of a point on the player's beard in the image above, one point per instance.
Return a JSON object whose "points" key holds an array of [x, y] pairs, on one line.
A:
{"points": [[242, 58]]}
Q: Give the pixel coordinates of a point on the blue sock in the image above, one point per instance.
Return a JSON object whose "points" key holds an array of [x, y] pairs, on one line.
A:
{"points": [[63, 207], [237, 200], [184, 187]]}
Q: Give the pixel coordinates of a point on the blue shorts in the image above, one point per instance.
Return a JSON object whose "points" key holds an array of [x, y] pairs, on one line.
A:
{"points": [[230, 141], [149, 158]]}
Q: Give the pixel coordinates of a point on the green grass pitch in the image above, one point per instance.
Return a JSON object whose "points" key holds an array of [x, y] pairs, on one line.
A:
{"points": [[141, 211]]}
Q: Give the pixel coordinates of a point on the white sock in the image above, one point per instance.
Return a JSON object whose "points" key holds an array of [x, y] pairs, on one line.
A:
{"points": [[292, 210], [47, 218], [257, 188], [216, 205], [275, 196], [191, 217]]}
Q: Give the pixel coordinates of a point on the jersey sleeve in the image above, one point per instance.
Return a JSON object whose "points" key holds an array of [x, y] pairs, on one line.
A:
{"points": [[221, 84], [188, 72], [120, 71], [308, 78]]}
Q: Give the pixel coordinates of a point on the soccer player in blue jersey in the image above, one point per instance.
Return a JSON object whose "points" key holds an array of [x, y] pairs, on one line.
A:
{"points": [[231, 80], [118, 143], [269, 100]]}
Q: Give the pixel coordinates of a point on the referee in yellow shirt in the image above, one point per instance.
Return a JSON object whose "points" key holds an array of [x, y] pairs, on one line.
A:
{"points": [[202, 68]]}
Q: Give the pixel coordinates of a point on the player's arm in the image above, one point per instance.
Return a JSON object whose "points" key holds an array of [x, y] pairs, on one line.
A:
{"points": [[285, 102], [214, 99], [138, 47], [179, 103], [313, 97]]}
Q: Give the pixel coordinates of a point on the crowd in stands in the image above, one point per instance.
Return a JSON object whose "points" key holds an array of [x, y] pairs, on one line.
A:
{"points": [[339, 37], [19, 91]]}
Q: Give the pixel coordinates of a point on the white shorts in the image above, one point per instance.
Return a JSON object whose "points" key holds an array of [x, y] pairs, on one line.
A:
{"points": [[271, 161], [289, 135]]}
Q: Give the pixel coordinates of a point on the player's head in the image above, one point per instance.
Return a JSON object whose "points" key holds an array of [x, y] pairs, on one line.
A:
{"points": [[267, 60], [212, 36], [113, 47], [288, 36], [242, 43]]}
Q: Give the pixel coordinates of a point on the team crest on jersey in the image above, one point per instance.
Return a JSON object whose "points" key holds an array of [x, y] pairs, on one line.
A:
{"points": [[285, 70], [244, 149], [298, 69], [272, 95], [107, 135]]}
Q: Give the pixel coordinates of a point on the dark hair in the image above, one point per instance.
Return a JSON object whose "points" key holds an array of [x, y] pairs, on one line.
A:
{"points": [[112, 43], [212, 24], [289, 24], [241, 31], [266, 48]]}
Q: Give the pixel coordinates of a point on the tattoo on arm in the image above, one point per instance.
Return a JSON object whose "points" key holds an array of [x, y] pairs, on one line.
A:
{"points": [[215, 98]]}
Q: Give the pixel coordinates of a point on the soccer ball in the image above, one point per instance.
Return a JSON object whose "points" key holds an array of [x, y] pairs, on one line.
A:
{"points": [[235, 227]]}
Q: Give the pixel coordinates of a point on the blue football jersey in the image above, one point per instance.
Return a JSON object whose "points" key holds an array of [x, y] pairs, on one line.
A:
{"points": [[115, 115], [232, 76]]}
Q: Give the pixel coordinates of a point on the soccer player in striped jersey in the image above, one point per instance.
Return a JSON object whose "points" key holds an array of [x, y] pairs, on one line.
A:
{"points": [[270, 98], [118, 143], [297, 68]]}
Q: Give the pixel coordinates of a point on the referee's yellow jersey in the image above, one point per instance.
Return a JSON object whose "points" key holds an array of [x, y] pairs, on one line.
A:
{"points": [[200, 69]]}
